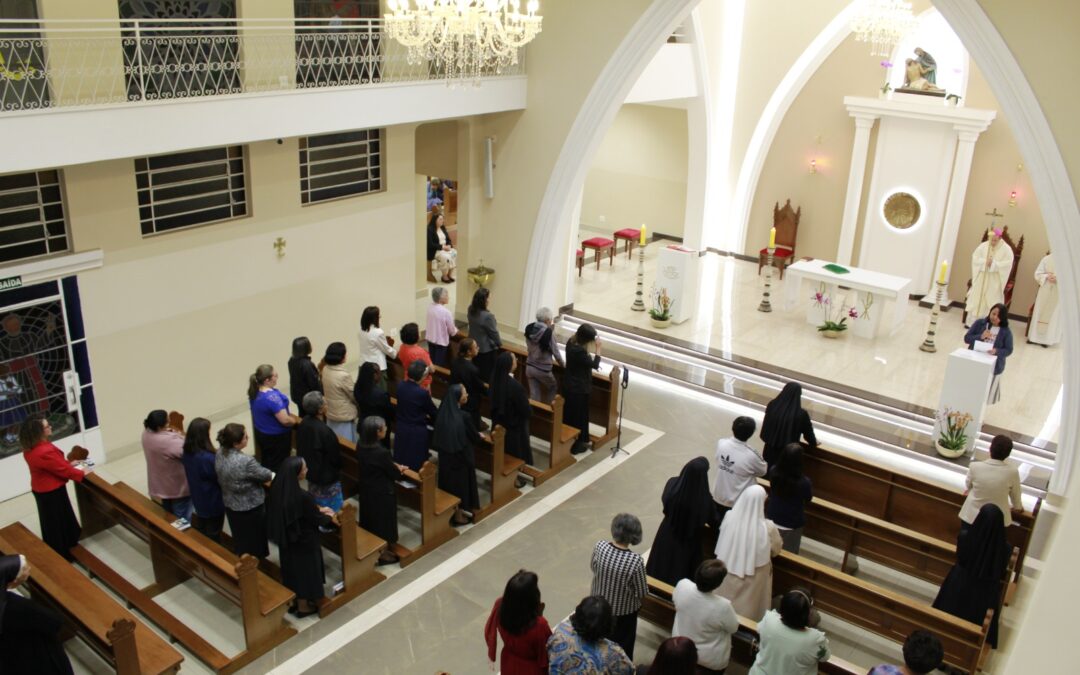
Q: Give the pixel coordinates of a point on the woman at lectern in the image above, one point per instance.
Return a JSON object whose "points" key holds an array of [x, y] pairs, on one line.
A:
{"points": [[992, 336]]}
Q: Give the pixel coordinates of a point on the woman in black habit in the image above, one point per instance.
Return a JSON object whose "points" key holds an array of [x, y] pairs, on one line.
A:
{"points": [[785, 421], [372, 400], [577, 382], [375, 488], [464, 372], [292, 522], [973, 585], [688, 508], [29, 632], [455, 440], [510, 408]]}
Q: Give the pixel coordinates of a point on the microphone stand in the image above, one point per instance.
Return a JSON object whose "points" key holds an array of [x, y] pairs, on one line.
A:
{"points": [[622, 401]]}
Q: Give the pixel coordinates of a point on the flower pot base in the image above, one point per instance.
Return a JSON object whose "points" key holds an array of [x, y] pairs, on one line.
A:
{"points": [[950, 454], [660, 323], [832, 334]]}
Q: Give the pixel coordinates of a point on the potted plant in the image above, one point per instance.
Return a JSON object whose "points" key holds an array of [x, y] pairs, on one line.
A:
{"points": [[952, 433], [660, 312], [836, 316]]}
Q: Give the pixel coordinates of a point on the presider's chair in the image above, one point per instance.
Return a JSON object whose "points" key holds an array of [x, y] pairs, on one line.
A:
{"points": [[786, 222], [1017, 249]]}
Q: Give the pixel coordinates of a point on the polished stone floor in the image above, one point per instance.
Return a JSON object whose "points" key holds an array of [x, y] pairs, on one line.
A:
{"points": [[726, 319]]}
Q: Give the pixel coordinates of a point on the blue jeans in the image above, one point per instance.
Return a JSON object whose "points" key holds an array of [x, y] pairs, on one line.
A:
{"points": [[346, 430], [179, 507]]}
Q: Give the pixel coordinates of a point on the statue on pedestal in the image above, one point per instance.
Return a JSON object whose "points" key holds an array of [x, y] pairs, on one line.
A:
{"points": [[920, 73]]}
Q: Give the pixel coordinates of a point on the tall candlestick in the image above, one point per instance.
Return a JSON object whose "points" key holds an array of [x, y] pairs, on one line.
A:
{"points": [[931, 331], [772, 238], [642, 240], [944, 270], [639, 294]]}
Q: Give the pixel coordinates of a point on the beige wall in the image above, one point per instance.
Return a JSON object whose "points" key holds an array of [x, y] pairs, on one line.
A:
{"points": [[818, 126], [180, 320], [563, 65], [639, 173], [436, 149]]}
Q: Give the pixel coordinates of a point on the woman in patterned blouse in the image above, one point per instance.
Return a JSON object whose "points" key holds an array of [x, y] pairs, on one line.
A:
{"points": [[578, 646]]}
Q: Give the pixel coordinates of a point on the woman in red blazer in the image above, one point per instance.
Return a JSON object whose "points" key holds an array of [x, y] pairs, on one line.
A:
{"points": [[518, 618], [49, 473]]}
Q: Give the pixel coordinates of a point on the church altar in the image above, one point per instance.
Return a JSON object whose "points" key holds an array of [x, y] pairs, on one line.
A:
{"points": [[871, 288]]}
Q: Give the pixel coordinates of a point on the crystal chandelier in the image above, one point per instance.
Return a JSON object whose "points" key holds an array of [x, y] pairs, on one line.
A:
{"points": [[882, 23], [464, 39]]}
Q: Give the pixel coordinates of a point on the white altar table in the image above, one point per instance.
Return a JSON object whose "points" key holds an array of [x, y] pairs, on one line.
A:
{"points": [[871, 288]]}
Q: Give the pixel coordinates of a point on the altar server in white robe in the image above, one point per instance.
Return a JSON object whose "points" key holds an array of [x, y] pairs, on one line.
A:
{"points": [[991, 264], [1045, 320]]}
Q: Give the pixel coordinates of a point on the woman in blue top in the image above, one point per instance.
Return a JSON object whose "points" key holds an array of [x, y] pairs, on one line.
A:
{"points": [[271, 418], [994, 331], [790, 491], [202, 479]]}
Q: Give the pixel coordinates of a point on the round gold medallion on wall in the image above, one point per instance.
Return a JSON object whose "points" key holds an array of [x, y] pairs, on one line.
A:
{"points": [[901, 210]]}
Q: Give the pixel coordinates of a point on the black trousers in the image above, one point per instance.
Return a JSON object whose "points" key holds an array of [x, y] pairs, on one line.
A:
{"points": [[211, 527], [440, 354], [625, 633], [485, 363]]}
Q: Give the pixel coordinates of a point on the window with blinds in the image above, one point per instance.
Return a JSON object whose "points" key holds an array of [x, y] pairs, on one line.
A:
{"points": [[32, 222], [339, 165], [187, 189]]}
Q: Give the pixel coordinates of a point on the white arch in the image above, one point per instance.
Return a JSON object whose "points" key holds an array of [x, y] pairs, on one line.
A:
{"points": [[773, 114], [1033, 135]]}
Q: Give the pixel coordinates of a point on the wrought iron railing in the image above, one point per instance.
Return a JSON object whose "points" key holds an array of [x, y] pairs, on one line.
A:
{"points": [[50, 64]]}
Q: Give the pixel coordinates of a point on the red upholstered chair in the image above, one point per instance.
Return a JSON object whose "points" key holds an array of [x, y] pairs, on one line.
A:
{"points": [[631, 237], [786, 222], [598, 246], [580, 261]]}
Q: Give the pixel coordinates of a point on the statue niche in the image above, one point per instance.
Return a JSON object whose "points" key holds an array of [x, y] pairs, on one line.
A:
{"points": [[920, 75]]}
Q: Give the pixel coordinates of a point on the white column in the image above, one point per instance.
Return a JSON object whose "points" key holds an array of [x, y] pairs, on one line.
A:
{"points": [[859, 149], [954, 207]]}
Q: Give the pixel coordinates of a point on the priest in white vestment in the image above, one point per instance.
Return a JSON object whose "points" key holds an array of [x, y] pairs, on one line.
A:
{"points": [[991, 264], [1045, 327]]}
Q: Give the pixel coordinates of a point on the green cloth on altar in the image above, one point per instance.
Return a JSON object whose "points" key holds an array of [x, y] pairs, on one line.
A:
{"points": [[836, 269]]}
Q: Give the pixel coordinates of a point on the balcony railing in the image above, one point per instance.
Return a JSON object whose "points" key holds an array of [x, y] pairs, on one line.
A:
{"points": [[53, 64]]}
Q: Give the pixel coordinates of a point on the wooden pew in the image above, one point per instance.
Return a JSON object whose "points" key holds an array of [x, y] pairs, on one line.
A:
{"points": [[111, 631], [657, 608], [881, 611], [435, 506], [359, 551], [893, 546], [490, 457], [545, 423], [901, 499], [177, 556], [603, 402]]}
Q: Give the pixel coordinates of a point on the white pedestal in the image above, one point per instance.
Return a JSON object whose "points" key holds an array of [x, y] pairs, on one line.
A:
{"points": [[677, 271], [966, 388]]}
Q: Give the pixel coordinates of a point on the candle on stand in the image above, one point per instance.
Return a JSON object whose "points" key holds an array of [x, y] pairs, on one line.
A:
{"points": [[642, 240], [772, 238], [944, 269]]}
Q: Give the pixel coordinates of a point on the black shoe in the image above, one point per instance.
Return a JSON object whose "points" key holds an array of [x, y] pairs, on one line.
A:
{"points": [[520, 482], [579, 449]]}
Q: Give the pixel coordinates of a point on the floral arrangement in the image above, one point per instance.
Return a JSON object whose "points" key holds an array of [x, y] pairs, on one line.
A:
{"points": [[886, 88], [953, 426], [836, 316], [661, 304]]}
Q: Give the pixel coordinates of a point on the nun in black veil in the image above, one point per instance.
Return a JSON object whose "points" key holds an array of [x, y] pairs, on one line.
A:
{"points": [[292, 522], [688, 508], [973, 585], [29, 632], [455, 440], [785, 421]]}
